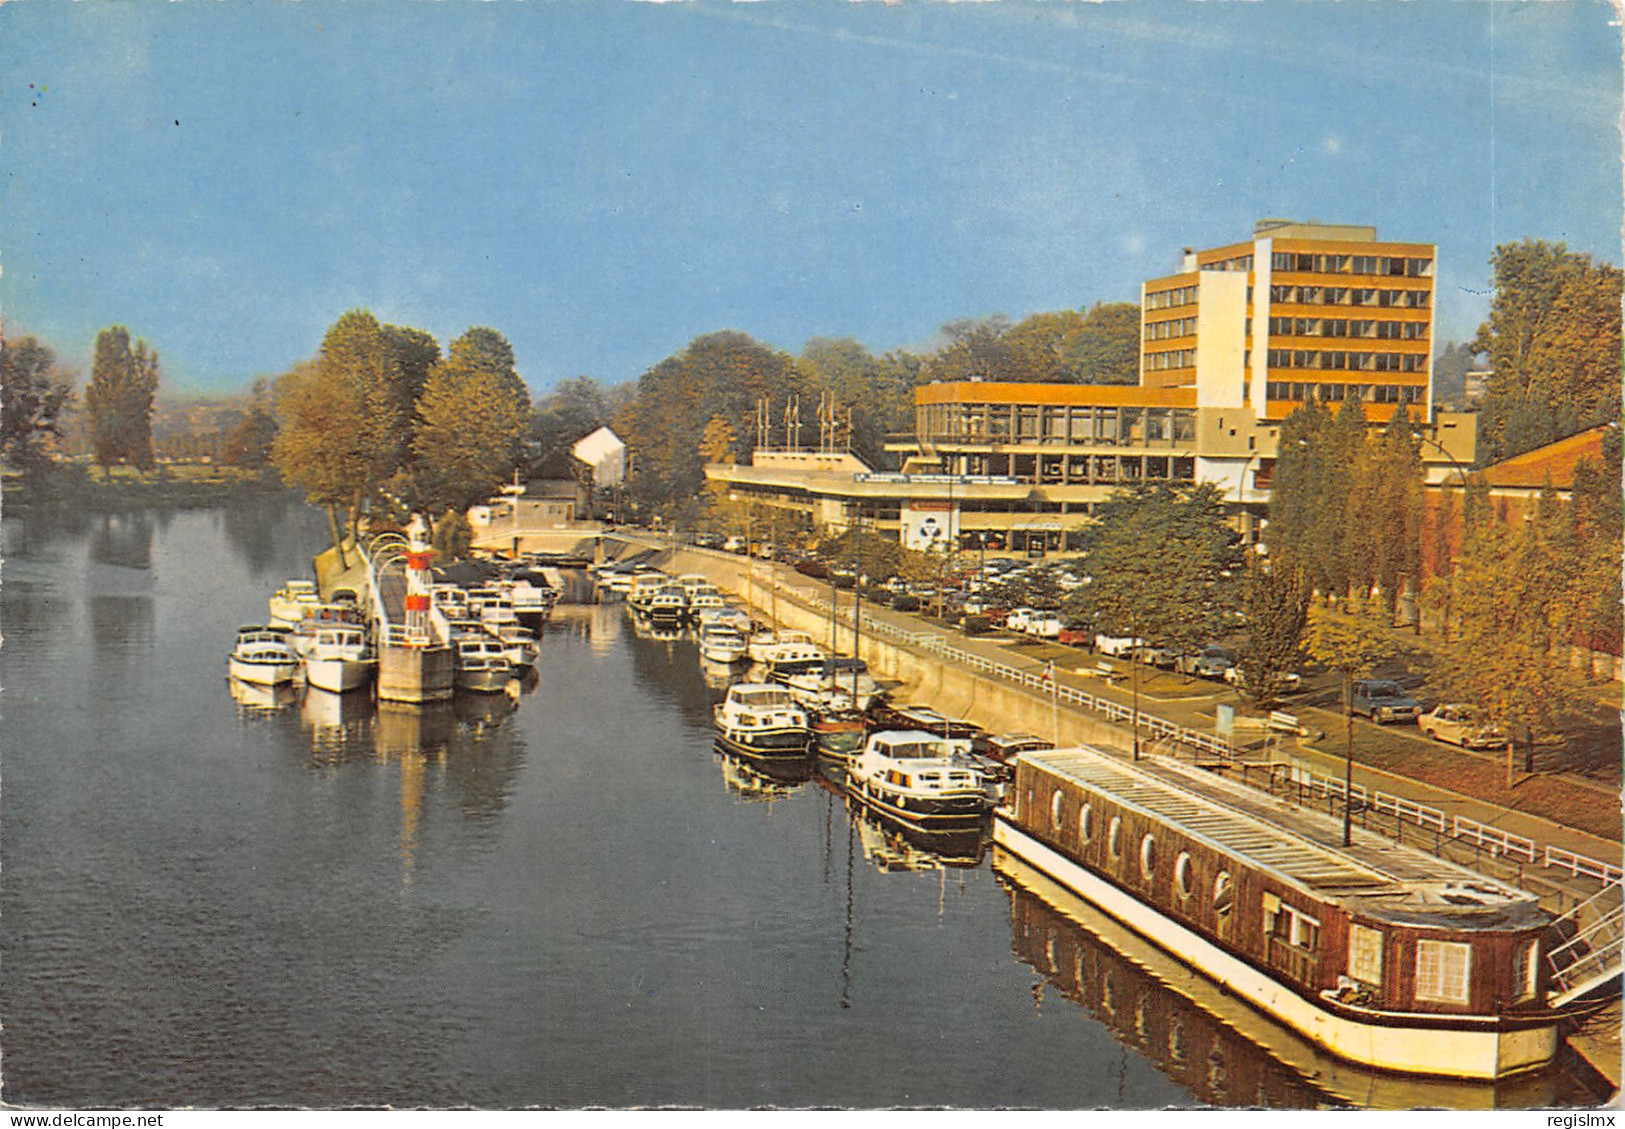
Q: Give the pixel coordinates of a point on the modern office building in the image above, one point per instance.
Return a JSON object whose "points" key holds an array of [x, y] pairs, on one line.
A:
{"points": [[1230, 346]]}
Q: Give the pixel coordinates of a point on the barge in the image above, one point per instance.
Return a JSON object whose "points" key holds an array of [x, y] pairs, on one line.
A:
{"points": [[1380, 953]]}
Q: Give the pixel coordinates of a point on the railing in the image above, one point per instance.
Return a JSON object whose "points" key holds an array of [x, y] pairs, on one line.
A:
{"points": [[1499, 844], [1592, 955]]}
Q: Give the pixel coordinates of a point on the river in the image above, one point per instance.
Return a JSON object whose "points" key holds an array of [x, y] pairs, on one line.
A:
{"points": [[305, 901]]}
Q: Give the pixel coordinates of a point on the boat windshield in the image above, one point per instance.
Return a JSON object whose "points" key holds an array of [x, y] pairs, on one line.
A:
{"points": [[764, 698], [911, 750], [841, 740]]}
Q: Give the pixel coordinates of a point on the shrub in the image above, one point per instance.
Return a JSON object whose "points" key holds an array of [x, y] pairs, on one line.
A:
{"points": [[906, 603], [976, 625]]}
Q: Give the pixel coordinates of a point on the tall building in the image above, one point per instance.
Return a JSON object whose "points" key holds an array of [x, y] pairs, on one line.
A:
{"points": [[1303, 311]]}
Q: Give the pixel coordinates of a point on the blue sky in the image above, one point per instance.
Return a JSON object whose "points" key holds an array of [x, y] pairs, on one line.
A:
{"points": [[605, 181]]}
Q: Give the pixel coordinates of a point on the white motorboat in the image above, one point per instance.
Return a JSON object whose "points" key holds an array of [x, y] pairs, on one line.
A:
{"points": [[519, 644], [491, 606], [722, 643], [322, 616], [339, 659], [762, 721], [533, 597], [763, 642], [703, 600], [784, 658], [482, 664], [736, 618], [666, 606], [921, 780], [263, 656], [826, 675], [290, 603]]}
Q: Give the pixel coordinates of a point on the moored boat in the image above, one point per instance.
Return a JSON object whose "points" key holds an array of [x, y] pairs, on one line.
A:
{"points": [[1378, 952], [762, 721], [482, 665], [721, 643], [263, 656], [830, 675], [289, 603], [763, 643], [666, 606], [921, 780], [887, 716], [838, 738], [339, 658]]}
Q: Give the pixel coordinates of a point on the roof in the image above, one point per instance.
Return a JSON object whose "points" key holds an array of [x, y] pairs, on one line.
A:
{"points": [[1555, 461], [1372, 877]]}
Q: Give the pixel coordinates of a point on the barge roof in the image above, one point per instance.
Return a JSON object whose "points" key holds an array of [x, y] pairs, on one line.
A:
{"points": [[1373, 877]]}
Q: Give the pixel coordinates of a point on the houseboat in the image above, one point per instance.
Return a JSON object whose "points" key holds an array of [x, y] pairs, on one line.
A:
{"points": [[761, 721], [886, 716], [1378, 952], [838, 738], [289, 603], [921, 780]]}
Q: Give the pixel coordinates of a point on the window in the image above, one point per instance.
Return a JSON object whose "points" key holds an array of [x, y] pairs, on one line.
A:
{"points": [[1182, 874], [1526, 968], [1442, 968], [1055, 808], [1365, 954], [1224, 896], [1114, 836], [1148, 857], [1086, 824]]}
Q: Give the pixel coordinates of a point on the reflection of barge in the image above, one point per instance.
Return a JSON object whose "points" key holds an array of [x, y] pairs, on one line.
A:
{"points": [[1209, 1042], [1382, 954]]}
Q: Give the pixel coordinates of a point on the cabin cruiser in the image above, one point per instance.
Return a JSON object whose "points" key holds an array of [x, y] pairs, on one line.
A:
{"points": [[321, 616], [921, 780], [703, 600], [519, 644], [482, 664], [783, 658], [492, 606], [339, 658], [761, 720], [838, 737], [533, 597], [736, 618], [290, 602], [721, 643], [827, 675], [263, 656], [644, 587], [763, 642], [926, 718], [666, 606]]}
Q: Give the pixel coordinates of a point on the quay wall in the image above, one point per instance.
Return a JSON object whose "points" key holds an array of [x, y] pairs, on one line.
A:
{"points": [[924, 678]]}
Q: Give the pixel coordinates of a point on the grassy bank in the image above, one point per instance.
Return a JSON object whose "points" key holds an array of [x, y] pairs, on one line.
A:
{"points": [[120, 488]]}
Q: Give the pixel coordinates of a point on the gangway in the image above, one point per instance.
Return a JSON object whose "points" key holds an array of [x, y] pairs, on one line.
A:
{"points": [[1593, 947], [416, 662]]}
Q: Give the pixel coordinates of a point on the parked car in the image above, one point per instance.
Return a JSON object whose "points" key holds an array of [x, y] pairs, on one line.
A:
{"points": [[1164, 657], [1117, 646], [1290, 680], [1044, 625], [1212, 661], [1383, 700], [1073, 636], [1457, 724], [734, 545], [1017, 619]]}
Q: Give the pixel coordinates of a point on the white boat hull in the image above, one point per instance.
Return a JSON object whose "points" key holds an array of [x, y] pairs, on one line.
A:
{"points": [[339, 675], [260, 672], [490, 681]]}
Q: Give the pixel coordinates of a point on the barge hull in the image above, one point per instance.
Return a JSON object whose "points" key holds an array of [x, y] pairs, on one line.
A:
{"points": [[1473, 1047]]}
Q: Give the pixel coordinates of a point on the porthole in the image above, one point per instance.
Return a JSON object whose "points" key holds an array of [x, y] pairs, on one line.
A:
{"points": [[1086, 824], [1182, 874], [1057, 803], [1224, 898], [1148, 857], [1114, 836]]}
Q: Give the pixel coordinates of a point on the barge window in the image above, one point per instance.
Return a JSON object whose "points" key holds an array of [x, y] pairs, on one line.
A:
{"points": [[1114, 837], [1086, 824], [1442, 969], [1224, 897], [1525, 970], [1365, 954], [1148, 857], [1055, 809], [1182, 874]]}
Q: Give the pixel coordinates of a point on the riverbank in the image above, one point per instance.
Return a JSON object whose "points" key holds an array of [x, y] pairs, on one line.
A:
{"points": [[182, 486]]}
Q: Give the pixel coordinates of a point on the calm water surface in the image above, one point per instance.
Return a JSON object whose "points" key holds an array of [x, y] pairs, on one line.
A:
{"points": [[305, 900]]}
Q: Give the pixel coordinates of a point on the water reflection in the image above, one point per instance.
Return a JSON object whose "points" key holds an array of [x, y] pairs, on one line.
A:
{"points": [[123, 540], [255, 701], [1219, 1049], [766, 780], [120, 624], [253, 528], [892, 846]]}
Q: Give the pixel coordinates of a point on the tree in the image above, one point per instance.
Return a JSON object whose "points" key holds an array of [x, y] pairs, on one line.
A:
{"points": [[1277, 612], [1553, 340], [250, 441], [1038, 346], [473, 414], [357, 355], [123, 382], [1105, 346], [1163, 563], [34, 395], [974, 349], [1349, 641], [318, 447]]}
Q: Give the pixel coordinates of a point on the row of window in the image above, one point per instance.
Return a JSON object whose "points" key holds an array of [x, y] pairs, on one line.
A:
{"points": [[1331, 393], [1395, 265], [1239, 263], [1165, 299], [1350, 296], [1170, 358], [1338, 360], [1348, 327], [1173, 327], [1040, 423]]}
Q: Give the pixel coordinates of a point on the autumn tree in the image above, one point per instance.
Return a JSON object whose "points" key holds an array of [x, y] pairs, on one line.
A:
{"points": [[973, 349], [472, 416], [318, 447], [1277, 607], [1553, 341], [1350, 641], [250, 441], [123, 383], [1104, 347], [34, 396]]}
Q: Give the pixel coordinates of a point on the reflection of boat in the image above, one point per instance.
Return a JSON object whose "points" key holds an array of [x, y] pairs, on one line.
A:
{"points": [[325, 710], [1379, 952], [413, 728], [721, 644], [263, 656], [894, 846], [478, 713], [761, 721], [763, 780], [289, 603], [259, 697], [339, 659], [1221, 1050], [482, 664], [921, 780]]}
